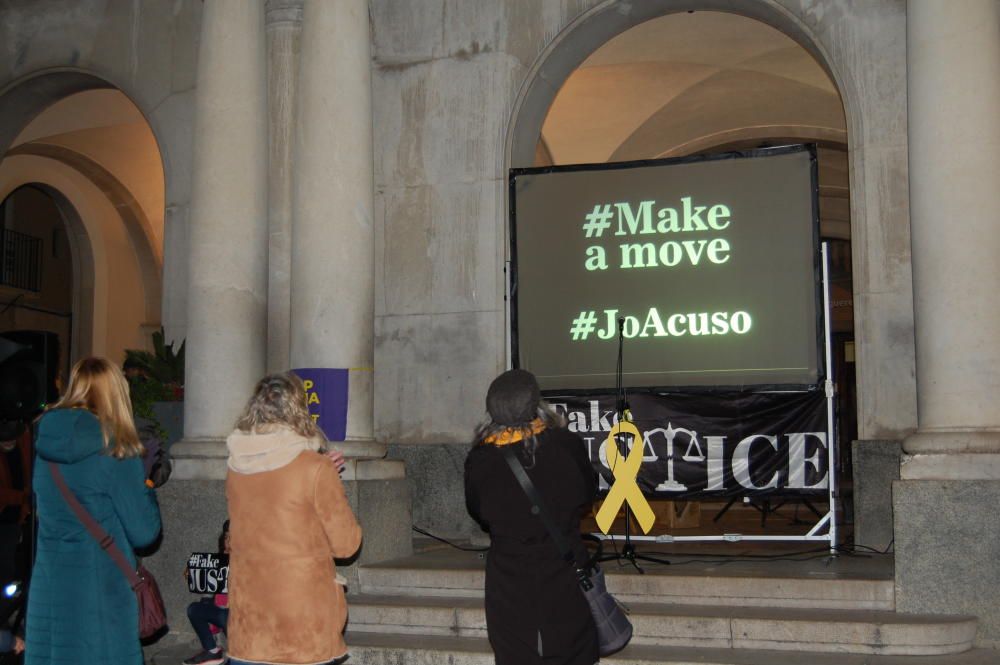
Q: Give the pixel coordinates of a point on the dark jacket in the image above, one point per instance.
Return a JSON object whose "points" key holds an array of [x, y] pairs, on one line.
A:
{"points": [[80, 606], [533, 602], [6, 641]]}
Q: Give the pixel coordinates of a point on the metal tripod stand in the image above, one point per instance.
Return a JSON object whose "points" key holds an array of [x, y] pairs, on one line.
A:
{"points": [[628, 552]]}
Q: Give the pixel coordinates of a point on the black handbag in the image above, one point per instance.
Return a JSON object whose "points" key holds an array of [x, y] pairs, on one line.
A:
{"points": [[614, 630]]}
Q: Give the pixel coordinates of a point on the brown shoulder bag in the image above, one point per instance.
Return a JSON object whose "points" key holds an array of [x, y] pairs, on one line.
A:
{"points": [[152, 614]]}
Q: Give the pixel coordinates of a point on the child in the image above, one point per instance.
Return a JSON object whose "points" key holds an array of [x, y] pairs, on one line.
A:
{"points": [[208, 616]]}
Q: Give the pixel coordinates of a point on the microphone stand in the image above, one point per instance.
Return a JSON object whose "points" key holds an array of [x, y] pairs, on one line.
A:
{"points": [[628, 553]]}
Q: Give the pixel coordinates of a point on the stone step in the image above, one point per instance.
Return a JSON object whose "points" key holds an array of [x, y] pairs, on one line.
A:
{"points": [[781, 585], [660, 624], [393, 649]]}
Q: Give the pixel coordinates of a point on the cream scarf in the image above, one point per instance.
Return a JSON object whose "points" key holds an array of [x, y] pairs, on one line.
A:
{"points": [[270, 448]]}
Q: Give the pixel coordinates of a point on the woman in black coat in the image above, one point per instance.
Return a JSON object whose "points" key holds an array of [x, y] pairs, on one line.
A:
{"points": [[535, 610]]}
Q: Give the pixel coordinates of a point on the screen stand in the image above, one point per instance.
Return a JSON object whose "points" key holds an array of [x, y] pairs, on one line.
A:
{"points": [[628, 553]]}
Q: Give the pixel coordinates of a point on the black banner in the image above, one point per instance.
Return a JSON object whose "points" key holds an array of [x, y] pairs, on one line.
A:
{"points": [[713, 445], [208, 573]]}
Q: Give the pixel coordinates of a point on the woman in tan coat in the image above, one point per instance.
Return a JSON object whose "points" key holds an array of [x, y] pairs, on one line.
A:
{"points": [[289, 518]]}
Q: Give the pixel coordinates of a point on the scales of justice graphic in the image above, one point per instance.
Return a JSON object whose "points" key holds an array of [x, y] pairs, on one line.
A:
{"points": [[693, 453]]}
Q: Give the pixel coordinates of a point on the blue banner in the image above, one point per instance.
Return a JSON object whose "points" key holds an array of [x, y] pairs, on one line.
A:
{"points": [[326, 395]]}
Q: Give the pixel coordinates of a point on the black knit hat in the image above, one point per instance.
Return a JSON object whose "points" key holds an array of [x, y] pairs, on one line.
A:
{"points": [[513, 398]]}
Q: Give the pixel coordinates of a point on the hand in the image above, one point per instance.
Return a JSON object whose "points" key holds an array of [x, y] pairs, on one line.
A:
{"points": [[337, 458], [18, 645]]}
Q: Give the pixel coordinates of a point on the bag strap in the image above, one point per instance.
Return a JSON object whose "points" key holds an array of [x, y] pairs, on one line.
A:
{"points": [[538, 506], [103, 538]]}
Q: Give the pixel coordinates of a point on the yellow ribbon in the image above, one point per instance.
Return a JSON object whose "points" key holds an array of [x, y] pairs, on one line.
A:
{"points": [[625, 488]]}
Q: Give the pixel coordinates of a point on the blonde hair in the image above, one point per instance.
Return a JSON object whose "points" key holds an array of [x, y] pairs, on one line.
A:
{"points": [[99, 386], [279, 399]]}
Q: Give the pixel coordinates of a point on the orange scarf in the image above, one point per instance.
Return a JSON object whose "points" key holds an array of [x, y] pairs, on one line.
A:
{"points": [[513, 435]]}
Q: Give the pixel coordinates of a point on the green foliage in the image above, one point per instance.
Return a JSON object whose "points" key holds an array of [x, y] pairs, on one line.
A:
{"points": [[156, 376], [144, 393], [163, 365]]}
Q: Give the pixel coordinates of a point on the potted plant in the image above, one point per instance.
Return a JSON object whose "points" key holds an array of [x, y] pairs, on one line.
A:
{"points": [[154, 378]]}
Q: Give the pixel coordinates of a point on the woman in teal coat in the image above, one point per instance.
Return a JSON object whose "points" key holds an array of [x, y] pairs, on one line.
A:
{"points": [[81, 609]]}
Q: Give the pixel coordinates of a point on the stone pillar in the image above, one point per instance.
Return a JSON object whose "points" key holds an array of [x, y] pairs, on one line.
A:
{"points": [[284, 28], [332, 304], [954, 158], [227, 284], [332, 309], [945, 501]]}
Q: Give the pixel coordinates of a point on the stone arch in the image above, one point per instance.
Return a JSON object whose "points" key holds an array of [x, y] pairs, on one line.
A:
{"points": [[83, 267], [74, 177], [883, 292], [133, 217], [24, 98], [610, 18], [704, 107], [83, 205]]}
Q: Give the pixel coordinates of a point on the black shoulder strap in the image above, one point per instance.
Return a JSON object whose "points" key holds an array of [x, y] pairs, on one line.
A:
{"points": [[538, 506], [103, 538]]}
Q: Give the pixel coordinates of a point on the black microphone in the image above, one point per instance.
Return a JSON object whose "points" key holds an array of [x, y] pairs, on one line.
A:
{"points": [[621, 324]]}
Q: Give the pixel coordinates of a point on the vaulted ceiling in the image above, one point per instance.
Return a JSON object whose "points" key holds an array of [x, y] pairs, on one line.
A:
{"points": [[686, 83]]}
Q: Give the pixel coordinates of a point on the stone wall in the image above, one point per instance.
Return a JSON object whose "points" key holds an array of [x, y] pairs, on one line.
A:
{"points": [[445, 78], [148, 50], [876, 466], [947, 550], [435, 476], [451, 83], [456, 87], [459, 94]]}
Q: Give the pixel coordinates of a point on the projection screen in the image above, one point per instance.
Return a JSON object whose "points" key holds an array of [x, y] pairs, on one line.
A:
{"points": [[709, 266]]}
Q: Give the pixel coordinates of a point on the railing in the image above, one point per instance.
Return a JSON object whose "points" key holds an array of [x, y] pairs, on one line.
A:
{"points": [[20, 261]]}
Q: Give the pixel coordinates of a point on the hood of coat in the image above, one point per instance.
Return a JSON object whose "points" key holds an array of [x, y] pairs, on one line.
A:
{"points": [[67, 436], [266, 450]]}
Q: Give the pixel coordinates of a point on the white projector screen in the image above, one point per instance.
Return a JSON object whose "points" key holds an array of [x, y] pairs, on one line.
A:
{"points": [[710, 266]]}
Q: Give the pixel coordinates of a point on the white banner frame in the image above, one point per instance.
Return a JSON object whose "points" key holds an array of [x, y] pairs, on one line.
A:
{"points": [[829, 520]]}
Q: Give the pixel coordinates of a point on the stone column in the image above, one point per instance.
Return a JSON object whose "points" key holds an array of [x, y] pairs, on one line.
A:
{"points": [[284, 28], [944, 504], [332, 312], [227, 280], [954, 158], [227, 285], [332, 308]]}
